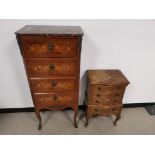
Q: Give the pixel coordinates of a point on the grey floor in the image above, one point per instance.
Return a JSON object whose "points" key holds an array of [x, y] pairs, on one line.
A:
{"points": [[134, 121]]}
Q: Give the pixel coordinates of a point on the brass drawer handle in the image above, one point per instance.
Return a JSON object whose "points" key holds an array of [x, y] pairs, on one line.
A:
{"points": [[117, 95], [52, 67], [118, 87], [113, 109], [50, 47], [96, 110], [97, 101], [99, 88], [115, 101], [53, 83], [98, 95], [55, 97]]}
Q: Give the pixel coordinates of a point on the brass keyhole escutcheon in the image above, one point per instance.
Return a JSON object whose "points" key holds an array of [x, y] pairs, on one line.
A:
{"points": [[55, 97], [50, 46]]}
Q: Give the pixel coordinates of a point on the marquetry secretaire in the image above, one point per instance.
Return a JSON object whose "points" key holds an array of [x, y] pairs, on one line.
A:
{"points": [[51, 55], [104, 93]]}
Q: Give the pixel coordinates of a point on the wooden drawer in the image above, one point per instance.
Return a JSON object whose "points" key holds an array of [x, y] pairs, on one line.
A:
{"points": [[105, 102], [40, 85], [54, 99], [41, 46], [104, 110], [103, 88], [48, 67], [107, 96]]}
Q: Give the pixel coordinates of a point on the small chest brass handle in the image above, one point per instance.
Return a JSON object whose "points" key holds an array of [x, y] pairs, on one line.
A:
{"points": [[96, 110], [117, 95], [98, 95], [99, 88]]}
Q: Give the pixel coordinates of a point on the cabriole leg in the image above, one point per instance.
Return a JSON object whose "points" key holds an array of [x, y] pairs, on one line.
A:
{"points": [[118, 116], [75, 116], [37, 112], [86, 124]]}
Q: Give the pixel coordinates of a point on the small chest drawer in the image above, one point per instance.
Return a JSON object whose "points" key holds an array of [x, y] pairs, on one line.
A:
{"points": [[54, 99], [52, 85], [103, 110], [49, 47], [103, 88], [51, 67], [107, 96]]}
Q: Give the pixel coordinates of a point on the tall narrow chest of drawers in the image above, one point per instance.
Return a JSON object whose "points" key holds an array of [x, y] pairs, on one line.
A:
{"points": [[104, 94], [51, 55]]}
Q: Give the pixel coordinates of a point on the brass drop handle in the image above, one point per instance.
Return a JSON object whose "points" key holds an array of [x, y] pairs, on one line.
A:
{"points": [[53, 83], [51, 67], [50, 47], [55, 97]]}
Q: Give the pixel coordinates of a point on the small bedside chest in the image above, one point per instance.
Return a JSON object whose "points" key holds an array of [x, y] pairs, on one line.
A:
{"points": [[104, 93]]}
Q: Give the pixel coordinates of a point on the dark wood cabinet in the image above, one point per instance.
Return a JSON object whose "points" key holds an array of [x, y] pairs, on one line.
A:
{"points": [[104, 93], [51, 55]]}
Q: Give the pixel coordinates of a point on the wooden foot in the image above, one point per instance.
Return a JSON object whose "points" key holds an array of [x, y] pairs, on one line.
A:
{"points": [[86, 124], [43, 111], [75, 116], [117, 118], [39, 118]]}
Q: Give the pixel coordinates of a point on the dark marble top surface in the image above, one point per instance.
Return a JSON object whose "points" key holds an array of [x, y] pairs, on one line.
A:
{"points": [[50, 30]]}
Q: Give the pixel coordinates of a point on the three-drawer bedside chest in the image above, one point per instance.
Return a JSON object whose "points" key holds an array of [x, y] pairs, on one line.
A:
{"points": [[51, 55], [104, 93]]}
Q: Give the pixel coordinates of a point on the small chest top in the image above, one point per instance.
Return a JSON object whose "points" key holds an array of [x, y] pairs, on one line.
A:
{"points": [[50, 30], [107, 77]]}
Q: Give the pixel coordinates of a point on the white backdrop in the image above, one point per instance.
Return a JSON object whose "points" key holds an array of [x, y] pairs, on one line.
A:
{"points": [[128, 45]]}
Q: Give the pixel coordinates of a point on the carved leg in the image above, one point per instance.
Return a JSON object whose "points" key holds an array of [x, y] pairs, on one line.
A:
{"points": [[75, 116], [39, 118], [118, 116], [86, 124], [44, 110]]}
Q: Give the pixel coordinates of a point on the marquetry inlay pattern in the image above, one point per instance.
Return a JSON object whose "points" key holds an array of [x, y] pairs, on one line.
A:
{"points": [[51, 56], [104, 94], [60, 68], [54, 84], [55, 98]]}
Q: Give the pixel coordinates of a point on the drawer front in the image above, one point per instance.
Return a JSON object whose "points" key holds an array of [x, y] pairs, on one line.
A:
{"points": [[52, 85], [46, 47], [52, 67], [101, 110], [102, 88], [107, 97], [105, 102], [54, 99]]}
